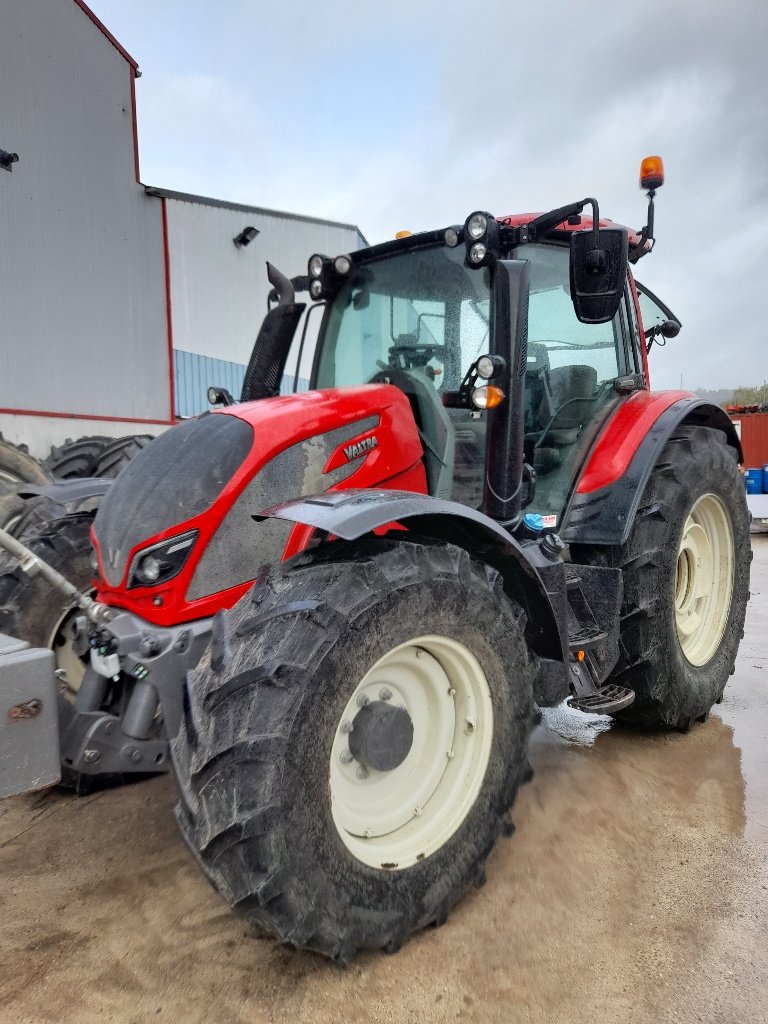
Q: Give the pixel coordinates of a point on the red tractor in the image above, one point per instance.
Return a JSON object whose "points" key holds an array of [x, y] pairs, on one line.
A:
{"points": [[338, 610]]}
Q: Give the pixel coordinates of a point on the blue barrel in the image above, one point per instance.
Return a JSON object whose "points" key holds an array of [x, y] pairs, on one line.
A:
{"points": [[754, 481], [765, 479]]}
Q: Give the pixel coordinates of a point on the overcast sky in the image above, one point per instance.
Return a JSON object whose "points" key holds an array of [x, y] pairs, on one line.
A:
{"points": [[412, 114]]}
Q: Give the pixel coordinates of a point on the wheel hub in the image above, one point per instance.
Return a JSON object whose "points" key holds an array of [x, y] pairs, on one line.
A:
{"points": [[381, 736], [410, 752]]}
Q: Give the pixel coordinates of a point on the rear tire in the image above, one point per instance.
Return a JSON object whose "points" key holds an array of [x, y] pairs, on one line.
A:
{"points": [[686, 581], [267, 709]]}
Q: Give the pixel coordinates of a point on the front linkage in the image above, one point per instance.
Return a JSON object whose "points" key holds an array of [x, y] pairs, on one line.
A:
{"points": [[129, 701]]}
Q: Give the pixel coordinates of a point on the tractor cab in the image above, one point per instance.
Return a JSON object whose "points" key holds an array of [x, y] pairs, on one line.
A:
{"points": [[419, 312]]}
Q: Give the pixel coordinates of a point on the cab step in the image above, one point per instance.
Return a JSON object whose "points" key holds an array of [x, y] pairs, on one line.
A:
{"points": [[606, 701], [583, 636]]}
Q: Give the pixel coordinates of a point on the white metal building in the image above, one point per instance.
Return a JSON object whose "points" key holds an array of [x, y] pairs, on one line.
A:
{"points": [[117, 301]]}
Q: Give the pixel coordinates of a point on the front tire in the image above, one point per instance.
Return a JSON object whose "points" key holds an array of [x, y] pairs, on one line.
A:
{"points": [[686, 581], [270, 803]]}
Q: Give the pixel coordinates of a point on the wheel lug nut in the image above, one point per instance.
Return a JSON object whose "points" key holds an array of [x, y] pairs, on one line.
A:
{"points": [[346, 726], [362, 700], [362, 772], [385, 694], [346, 757]]}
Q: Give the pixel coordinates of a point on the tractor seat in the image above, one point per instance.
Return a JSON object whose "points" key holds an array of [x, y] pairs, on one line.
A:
{"points": [[573, 392], [538, 392]]}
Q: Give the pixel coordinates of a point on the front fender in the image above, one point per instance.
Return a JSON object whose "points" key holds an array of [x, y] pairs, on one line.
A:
{"points": [[352, 513]]}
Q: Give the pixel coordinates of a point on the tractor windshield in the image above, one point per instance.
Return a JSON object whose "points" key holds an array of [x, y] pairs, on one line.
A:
{"points": [[417, 320], [421, 311]]}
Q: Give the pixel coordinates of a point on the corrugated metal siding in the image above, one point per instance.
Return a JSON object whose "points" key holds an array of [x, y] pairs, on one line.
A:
{"points": [[219, 291], [81, 257], [754, 438], [195, 374]]}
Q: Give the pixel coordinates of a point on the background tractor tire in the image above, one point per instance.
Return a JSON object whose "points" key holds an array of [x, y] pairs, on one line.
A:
{"points": [[31, 609], [116, 455], [17, 466], [33, 515], [76, 458], [12, 507], [692, 515], [256, 756]]}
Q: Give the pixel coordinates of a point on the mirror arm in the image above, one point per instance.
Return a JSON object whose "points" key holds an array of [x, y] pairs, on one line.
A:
{"points": [[543, 225]]}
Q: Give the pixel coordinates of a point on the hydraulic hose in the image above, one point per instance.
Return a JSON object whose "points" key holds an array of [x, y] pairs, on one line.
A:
{"points": [[31, 564]]}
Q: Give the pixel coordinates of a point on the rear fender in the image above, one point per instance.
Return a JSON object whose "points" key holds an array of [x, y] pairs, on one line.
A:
{"points": [[611, 487], [353, 513]]}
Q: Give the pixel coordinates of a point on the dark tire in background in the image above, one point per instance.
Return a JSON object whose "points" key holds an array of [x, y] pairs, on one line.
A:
{"points": [[34, 514], [96, 455], [76, 458], [17, 466], [272, 796], [116, 455], [686, 581]]}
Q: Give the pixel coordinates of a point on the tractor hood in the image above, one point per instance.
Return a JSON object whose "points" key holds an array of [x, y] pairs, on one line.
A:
{"points": [[176, 529]]}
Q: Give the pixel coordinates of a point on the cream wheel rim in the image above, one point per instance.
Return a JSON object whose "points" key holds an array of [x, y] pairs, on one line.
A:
{"points": [[70, 667], [393, 819], [704, 579]]}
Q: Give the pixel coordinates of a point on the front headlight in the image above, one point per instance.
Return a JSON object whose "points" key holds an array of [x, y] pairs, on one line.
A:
{"points": [[161, 562], [477, 225]]}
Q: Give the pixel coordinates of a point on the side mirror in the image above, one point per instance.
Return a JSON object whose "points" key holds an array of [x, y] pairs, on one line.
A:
{"points": [[669, 329], [599, 262]]}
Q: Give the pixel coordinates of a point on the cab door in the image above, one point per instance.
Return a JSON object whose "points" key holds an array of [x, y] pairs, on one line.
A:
{"points": [[576, 375]]}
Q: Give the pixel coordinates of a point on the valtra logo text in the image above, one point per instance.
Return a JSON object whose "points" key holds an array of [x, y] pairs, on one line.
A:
{"points": [[354, 451]]}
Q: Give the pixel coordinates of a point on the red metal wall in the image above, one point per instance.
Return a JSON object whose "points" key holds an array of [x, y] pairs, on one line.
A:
{"points": [[754, 437]]}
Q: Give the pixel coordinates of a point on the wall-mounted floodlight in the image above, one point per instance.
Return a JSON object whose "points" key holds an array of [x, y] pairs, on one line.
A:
{"points": [[7, 160], [246, 236]]}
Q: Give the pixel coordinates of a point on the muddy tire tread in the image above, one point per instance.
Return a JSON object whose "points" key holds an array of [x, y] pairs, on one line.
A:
{"points": [[234, 753], [669, 691]]}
